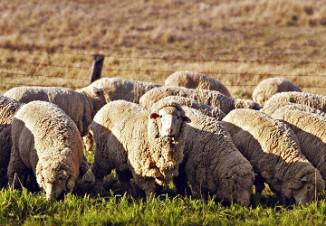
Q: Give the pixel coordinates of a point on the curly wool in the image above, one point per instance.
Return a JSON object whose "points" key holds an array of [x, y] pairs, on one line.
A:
{"points": [[274, 151], [212, 98], [117, 88], [80, 105], [285, 98], [195, 80], [8, 108], [45, 142], [310, 130], [270, 86], [212, 164], [183, 101], [127, 140]]}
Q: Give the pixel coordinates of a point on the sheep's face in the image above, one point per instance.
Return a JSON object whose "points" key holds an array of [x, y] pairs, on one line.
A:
{"points": [[169, 121], [303, 190], [164, 130], [54, 179]]}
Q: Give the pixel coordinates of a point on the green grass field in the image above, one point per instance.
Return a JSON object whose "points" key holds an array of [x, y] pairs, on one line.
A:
{"points": [[32, 209]]}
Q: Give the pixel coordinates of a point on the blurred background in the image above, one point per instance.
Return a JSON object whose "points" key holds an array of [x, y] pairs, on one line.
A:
{"points": [[51, 42]]}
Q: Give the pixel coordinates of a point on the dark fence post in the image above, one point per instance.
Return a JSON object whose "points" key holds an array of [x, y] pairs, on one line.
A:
{"points": [[96, 68]]}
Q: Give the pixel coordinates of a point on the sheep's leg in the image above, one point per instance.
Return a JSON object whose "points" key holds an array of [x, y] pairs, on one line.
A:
{"points": [[16, 170], [148, 185]]}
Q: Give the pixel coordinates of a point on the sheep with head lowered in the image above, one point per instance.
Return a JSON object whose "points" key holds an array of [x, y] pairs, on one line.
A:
{"points": [[8, 109], [195, 80], [145, 147], [209, 97], [46, 146], [304, 108], [270, 86], [274, 151], [310, 130], [80, 105], [188, 102], [116, 88], [285, 98], [212, 165]]}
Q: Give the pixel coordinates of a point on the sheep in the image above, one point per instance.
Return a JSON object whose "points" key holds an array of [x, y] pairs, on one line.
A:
{"points": [[209, 97], [141, 145], [183, 101], [274, 151], [212, 165], [304, 108], [310, 130], [205, 109], [194, 80], [80, 105], [8, 108], [117, 88], [281, 99], [46, 145], [268, 87]]}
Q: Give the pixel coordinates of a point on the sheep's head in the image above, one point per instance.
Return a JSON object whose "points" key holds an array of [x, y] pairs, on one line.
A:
{"points": [[243, 103], [237, 187], [55, 177], [303, 188], [164, 131]]}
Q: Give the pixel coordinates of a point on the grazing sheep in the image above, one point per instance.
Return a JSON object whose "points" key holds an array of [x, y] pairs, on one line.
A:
{"points": [[268, 87], [46, 145], [310, 130], [80, 105], [274, 151], [194, 80], [123, 89], [209, 97], [212, 165], [144, 145], [8, 108], [281, 99], [304, 108], [184, 101]]}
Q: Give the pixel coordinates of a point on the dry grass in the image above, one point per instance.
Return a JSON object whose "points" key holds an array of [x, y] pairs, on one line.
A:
{"points": [[277, 37]]}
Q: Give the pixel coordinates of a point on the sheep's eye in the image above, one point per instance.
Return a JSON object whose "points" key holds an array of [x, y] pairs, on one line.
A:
{"points": [[309, 187]]}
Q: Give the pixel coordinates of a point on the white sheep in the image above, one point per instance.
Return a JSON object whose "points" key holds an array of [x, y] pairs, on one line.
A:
{"points": [[285, 98], [270, 86], [274, 151], [212, 165], [209, 97], [144, 145], [304, 108], [310, 130], [188, 102], [183, 101], [195, 80], [8, 108], [117, 88], [46, 144], [80, 105]]}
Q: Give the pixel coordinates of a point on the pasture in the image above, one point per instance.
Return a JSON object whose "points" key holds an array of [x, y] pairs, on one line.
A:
{"points": [[50, 43]]}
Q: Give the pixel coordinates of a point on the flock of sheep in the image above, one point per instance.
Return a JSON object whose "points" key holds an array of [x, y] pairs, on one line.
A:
{"points": [[190, 131]]}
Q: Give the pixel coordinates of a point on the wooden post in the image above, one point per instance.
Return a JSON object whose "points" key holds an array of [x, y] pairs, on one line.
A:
{"points": [[96, 68]]}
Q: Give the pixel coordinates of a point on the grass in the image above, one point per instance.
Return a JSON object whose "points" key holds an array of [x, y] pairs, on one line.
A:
{"points": [[32, 209]]}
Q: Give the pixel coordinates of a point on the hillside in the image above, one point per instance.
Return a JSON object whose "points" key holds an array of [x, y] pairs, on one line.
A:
{"points": [[239, 42]]}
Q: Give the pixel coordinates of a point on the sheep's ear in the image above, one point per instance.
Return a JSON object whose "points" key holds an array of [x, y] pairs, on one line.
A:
{"points": [[154, 115], [304, 179], [98, 92], [186, 119]]}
